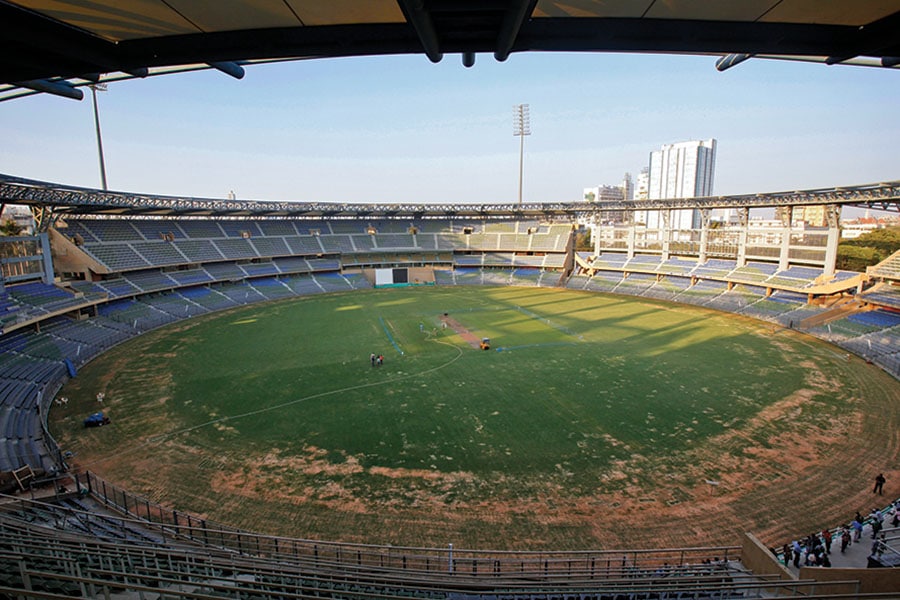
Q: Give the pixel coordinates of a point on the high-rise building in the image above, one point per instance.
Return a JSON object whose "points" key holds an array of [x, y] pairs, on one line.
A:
{"points": [[682, 170], [627, 187], [642, 190]]}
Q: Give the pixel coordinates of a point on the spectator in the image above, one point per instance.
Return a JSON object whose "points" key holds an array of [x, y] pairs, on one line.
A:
{"points": [[845, 539], [877, 522], [798, 552], [857, 526]]}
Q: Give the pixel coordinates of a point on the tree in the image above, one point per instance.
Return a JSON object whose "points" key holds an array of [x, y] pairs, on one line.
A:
{"points": [[10, 228], [583, 240], [868, 249]]}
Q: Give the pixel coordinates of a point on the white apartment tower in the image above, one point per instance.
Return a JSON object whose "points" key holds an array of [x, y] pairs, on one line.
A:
{"points": [[682, 170], [642, 190]]}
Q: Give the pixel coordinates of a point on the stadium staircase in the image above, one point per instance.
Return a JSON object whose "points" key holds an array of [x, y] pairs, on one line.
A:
{"points": [[839, 310], [889, 268]]}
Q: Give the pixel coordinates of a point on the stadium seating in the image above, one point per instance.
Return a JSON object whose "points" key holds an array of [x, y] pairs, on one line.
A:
{"points": [[112, 230], [642, 263], [139, 314], [702, 292], [603, 281], [888, 268], [677, 266], [496, 276], [175, 269], [158, 230], [271, 288], [526, 277], [635, 284], [468, 276], [149, 281], [199, 251], [667, 288], [258, 269], [189, 277], [332, 282], [609, 260], [236, 248], [91, 544], [117, 287], [735, 299], [883, 295], [224, 271], [878, 319], [444, 277], [159, 253], [271, 246], [209, 298], [714, 269], [303, 284]]}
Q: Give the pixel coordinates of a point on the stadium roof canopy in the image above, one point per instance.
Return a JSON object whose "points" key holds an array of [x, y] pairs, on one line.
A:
{"points": [[70, 200], [58, 45]]}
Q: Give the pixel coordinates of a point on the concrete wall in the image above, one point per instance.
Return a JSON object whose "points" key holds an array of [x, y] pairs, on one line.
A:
{"points": [[756, 557], [69, 258], [421, 275], [871, 581], [760, 560]]}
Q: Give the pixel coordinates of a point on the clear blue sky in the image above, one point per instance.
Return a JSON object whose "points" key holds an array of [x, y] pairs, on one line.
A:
{"points": [[401, 129]]}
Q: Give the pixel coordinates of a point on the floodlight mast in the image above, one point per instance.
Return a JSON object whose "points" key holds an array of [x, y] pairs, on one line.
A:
{"points": [[101, 87], [521, 128]]}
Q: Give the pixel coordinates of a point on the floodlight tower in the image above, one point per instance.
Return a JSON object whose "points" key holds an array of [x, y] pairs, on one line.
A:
{"points": [[521, 128], [94, 89]]}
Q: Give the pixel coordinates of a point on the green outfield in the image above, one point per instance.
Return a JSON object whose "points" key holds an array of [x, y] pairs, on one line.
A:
{"points": [[588, 408]]}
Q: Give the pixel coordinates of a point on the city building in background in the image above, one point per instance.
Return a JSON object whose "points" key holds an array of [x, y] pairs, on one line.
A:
{"points": [[813, 216], [642, 189], [20, 215], [681, 170], [627, 187], [604, 194]]}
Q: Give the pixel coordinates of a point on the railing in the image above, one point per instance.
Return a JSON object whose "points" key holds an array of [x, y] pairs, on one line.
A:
{"points": [[112, 562], [464, 562]]}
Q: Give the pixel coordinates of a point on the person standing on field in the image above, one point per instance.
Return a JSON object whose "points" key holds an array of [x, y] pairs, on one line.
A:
{"points": [[879, 485]]}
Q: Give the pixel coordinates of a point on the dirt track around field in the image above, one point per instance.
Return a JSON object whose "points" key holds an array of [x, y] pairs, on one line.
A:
{"points": [[467, 336]]}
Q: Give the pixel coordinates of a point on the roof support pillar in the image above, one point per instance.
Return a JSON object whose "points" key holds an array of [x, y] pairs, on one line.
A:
{"points": [[787, 219], [666, 232], [510, 27], [833, 219], [420, 19], [744, 232], [705, 219]]}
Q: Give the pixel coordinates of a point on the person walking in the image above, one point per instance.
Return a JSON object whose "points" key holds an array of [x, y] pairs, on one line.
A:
{"points": [[857, 527], [787, 553], [845, 539]]}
